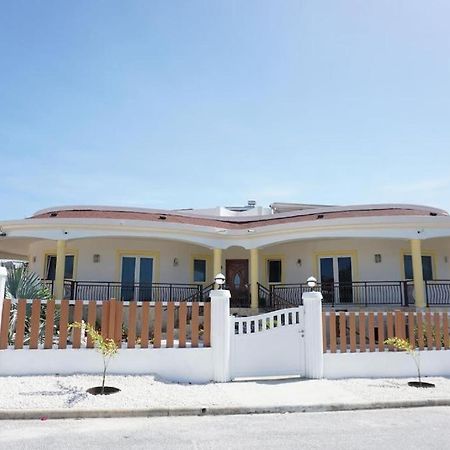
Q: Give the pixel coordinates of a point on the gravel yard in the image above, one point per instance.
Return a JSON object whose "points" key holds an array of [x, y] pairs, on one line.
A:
{"points": [[61, 392]]}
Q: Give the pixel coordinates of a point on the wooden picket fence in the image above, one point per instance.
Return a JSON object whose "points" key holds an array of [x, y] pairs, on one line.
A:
{"points": [[366, 331], [40, 324]]}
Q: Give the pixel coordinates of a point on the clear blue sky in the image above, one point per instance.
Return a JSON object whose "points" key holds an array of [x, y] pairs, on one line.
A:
{"points": [[172, 104]]}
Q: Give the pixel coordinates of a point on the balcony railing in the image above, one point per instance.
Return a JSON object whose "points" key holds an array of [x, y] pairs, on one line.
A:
{"points": [[366, 293], [105, 290], [363, 293], [437, 292]]}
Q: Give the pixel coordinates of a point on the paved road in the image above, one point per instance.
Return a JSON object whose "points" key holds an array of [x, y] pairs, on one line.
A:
{"points": [[420, 428]]}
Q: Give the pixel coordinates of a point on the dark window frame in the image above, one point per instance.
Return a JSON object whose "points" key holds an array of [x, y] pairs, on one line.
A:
{"points": [[204, 270], [277, 279], [427, 267]]}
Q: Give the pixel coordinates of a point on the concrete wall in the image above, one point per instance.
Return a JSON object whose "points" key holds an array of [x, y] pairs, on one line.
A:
{"points": [[385, 364], [192, 365]]}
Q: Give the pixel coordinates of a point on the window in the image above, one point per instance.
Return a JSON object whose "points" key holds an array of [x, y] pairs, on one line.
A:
{"points": [[427, 267], [50, 267], [199, 270], [274, 270]]}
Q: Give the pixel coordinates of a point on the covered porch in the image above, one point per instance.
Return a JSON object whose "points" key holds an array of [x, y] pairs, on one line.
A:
{"points": [[350, 272], [263, 271]]}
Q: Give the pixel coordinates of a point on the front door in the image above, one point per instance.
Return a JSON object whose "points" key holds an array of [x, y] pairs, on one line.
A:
{"points": [[237, 282], [336, 279]]}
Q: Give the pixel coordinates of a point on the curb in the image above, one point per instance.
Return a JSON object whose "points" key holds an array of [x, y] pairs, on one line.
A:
{"points": [[17, 414]]}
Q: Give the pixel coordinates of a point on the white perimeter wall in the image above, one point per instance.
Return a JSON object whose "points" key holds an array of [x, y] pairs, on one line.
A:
{"points": [[385, 364], [192, 365], [196, 365]]}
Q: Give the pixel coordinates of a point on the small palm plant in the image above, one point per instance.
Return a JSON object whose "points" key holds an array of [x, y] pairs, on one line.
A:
{"points": [[22, 283], [107, 347]]}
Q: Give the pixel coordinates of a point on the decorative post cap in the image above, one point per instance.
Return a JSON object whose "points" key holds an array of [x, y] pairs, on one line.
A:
{"points": [[311, 282], [220, 280]]}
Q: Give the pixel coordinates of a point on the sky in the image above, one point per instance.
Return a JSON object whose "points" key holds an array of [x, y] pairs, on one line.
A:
{"points": [[178, 104]]}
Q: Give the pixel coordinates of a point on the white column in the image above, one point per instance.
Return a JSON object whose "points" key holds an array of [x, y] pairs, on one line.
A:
{"points": [[312, 307], [419, 283], [254, 278], [3, 275], [220, 334], [217, 263], [58, 290]]}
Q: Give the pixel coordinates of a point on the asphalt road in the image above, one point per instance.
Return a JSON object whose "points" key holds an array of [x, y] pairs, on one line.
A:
{"points": [[419, 428]]}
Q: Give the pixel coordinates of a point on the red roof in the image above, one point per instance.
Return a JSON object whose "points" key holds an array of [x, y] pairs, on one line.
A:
{"points": [[239, 222]]}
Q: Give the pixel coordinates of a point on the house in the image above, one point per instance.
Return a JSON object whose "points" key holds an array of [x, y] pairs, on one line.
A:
{"points": [[386, 254]]}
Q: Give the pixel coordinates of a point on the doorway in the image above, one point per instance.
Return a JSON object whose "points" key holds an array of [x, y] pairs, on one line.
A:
{"points": [[336, 279], [237, 282], [136, 278]]}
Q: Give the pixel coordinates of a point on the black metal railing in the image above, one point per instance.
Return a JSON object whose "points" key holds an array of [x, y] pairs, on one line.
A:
{"points": [[366, 293], [437, 292], [206, 290], [105, 290], [271, 301]]}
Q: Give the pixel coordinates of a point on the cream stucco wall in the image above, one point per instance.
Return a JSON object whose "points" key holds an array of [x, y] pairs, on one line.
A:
{"points": [[110, 250], [363, 258]]}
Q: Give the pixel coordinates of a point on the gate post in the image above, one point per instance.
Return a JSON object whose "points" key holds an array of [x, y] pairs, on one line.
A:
{"points": [[312, 307], [220, 334]]}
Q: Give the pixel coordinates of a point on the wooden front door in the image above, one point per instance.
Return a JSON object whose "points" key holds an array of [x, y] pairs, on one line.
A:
{"points": [[237, 282]]}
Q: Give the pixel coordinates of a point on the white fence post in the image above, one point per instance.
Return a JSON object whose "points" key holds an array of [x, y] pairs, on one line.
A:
{"points": [[3, 275], [220, 334], [312, 303]]}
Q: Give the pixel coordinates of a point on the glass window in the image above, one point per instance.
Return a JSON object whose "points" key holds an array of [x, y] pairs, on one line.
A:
{"points": [[274, 270], [326, 270], [199, 270], [50, 271], [427, 267]]}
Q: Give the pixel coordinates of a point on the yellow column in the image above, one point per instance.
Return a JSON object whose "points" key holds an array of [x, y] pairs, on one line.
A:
{"points": [[217, 262], [419, 285], [58, 291], [254, 277]]}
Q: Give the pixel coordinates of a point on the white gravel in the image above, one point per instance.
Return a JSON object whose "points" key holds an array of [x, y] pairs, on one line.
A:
{"points": [[61, 392]]}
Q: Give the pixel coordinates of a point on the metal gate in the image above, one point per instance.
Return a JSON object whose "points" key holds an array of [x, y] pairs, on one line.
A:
{"points": [[270, 344]]}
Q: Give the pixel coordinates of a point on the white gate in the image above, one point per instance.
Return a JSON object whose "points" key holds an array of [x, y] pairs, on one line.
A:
{"points": [[269, 344]]}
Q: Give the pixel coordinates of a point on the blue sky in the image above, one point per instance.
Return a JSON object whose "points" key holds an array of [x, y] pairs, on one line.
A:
{"points": [[171, 104]]}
